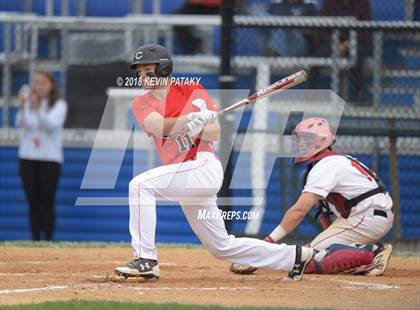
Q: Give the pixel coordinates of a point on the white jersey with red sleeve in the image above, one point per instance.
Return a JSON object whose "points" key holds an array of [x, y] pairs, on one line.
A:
{"points": [[338, 174], [180, 100]]}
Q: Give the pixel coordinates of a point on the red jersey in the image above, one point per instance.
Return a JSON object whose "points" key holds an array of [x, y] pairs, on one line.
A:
{"points": [[179, 101]]}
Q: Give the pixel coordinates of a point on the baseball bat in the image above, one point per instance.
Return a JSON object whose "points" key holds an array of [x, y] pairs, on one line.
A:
{"points": [[285, 83]]}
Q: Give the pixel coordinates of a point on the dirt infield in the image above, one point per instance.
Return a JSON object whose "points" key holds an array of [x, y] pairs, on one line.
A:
{"points": [[193, 276]]}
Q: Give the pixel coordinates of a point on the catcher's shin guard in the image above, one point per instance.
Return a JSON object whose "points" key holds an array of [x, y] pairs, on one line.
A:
{"points": [[339, 258]]}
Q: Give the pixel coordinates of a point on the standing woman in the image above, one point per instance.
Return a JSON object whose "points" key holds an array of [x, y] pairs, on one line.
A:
{"points": [[41, 114]]}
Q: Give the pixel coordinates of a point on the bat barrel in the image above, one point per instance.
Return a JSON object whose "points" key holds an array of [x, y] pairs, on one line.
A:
{"points": [[285, 83]]}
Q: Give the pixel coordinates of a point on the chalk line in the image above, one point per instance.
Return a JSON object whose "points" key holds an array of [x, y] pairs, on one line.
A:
{"points": [[37, 289], [376, 286]]}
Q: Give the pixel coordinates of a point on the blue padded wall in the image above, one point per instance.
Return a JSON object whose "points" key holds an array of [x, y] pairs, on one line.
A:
{"points": [[387, 9], [167, 7], [108, 8], [110, 223], [104, 223], [12, 6]]}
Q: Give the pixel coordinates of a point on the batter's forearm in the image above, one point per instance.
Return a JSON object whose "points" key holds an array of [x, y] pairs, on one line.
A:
{"points": [[211, 132], [159, 126], [172, 125]]}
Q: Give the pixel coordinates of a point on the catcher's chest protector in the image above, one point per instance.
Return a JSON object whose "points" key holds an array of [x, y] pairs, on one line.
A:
{"points": [[342, 204]]}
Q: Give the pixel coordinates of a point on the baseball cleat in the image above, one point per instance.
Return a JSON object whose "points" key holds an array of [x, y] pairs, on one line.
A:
{"points": [[380, 260], [140, 267], [296, 274]]}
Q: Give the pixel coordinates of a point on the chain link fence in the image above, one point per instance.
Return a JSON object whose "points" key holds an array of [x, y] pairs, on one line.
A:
{"points": [[359, 50]]}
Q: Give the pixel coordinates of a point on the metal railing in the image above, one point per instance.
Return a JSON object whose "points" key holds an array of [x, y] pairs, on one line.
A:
{"points": [[25, 31]]}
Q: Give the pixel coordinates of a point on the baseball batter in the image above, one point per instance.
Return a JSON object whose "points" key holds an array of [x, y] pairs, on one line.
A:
{"points": [[341, 186], [182, 121]]}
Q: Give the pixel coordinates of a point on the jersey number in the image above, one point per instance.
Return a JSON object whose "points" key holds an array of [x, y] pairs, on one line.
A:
{"points": [[356, 165], [185, 142]]}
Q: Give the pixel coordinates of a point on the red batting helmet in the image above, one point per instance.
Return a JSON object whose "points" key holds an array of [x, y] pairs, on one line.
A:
{"points": [[310, 137]]}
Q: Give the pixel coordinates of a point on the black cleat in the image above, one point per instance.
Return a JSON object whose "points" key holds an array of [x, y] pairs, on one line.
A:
{"points": [[140, 267], [296, 274]]}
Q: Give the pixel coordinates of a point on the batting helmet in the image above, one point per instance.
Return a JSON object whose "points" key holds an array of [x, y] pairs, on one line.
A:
{"points": [[153, 54], [310, 137]]}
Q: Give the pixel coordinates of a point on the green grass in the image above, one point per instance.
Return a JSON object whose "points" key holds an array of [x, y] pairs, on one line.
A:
{"points": [[115, 305], [407, 253]]}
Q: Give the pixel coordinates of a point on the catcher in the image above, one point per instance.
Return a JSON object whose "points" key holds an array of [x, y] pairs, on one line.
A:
{"points": [[342, 188]]}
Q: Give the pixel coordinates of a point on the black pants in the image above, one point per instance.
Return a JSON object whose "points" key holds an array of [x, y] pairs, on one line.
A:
{"points": [[40, 179]]}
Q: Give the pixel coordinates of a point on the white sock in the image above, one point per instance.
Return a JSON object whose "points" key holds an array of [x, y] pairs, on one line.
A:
{"points": [[307, 253]]}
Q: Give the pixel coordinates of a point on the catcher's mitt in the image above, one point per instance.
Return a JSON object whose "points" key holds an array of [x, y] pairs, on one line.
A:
{"points": [[242, 269]]}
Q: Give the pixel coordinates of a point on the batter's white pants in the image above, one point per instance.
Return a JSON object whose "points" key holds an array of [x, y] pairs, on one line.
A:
{"points": [[195, 184], [363, 229]]}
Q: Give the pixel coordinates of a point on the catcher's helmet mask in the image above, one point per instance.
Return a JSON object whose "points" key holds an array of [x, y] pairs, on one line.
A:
{"points": [[153, 54], [310, 137]]}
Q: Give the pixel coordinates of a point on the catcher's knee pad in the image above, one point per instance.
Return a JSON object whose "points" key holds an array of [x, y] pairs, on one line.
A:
{"points": [[338, 258]]}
